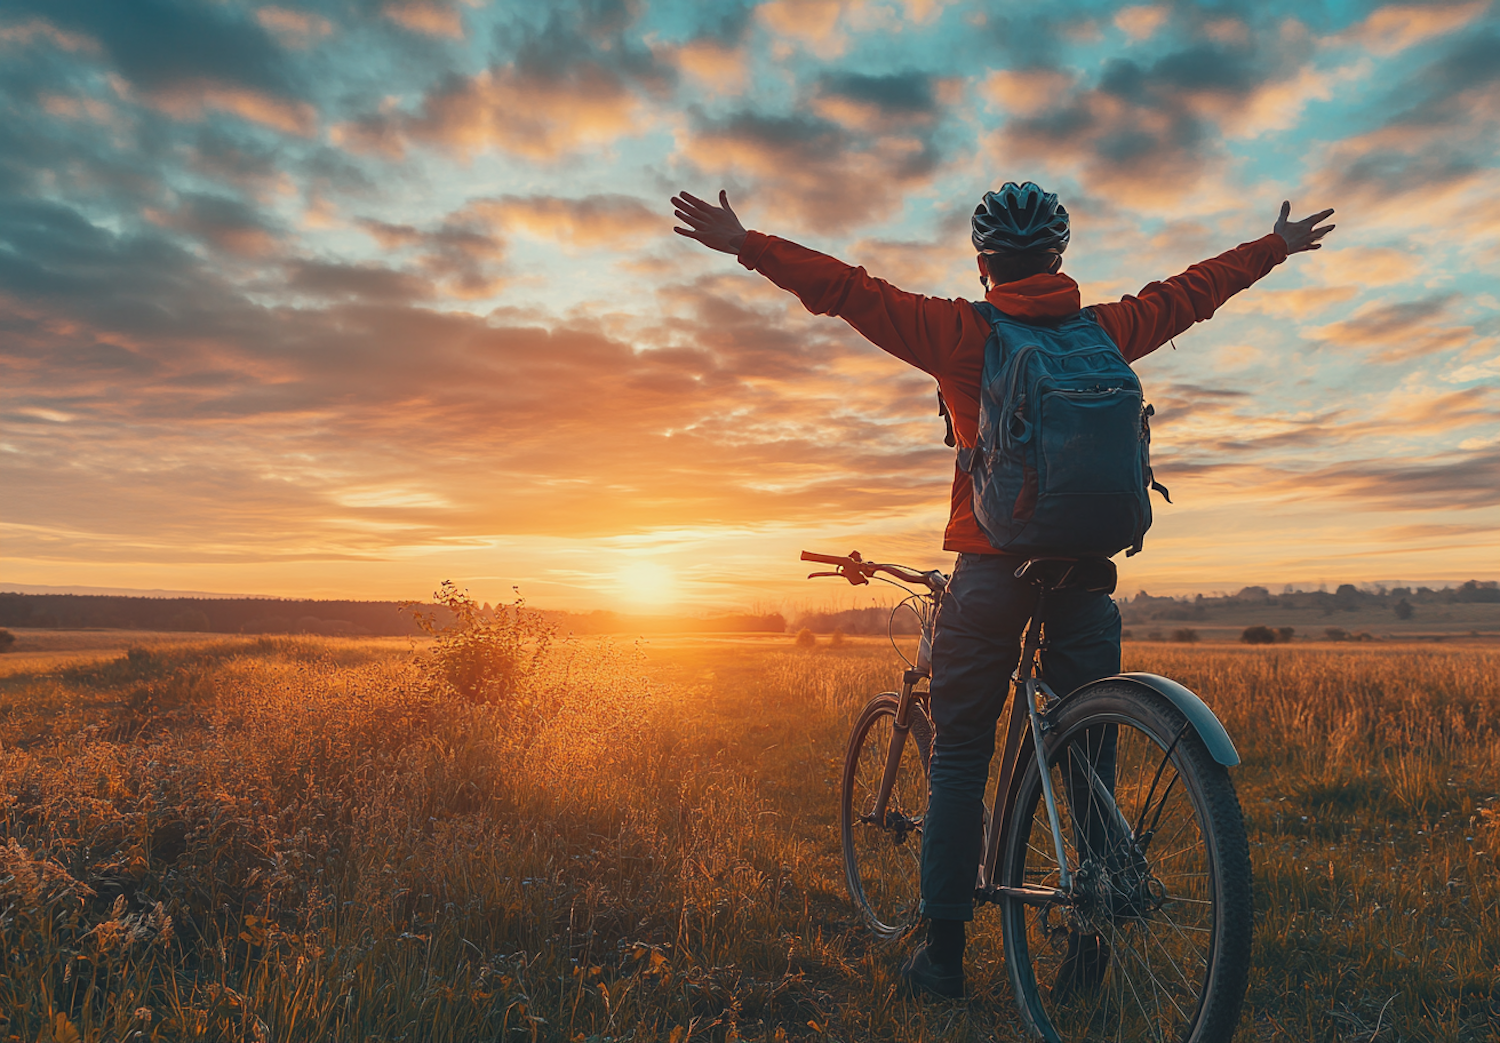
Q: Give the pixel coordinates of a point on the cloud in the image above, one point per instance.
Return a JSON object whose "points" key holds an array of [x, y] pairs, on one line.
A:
{"points": [[876, 104], [1365, 265], [1149, 136], [1463, 483], [721, 67], [158, 46], [424, 16], [190, 101], [592, 222], [814, 24], [578, 82], [1397, 332], [267, 419], [1297, 304], [538, 117], [1141, 22], [463, 253], [371, 282], [1427, 165], [1395, 27], [27, 33], [861, 145], [1027, 92], [294, 28], [227, 224]]}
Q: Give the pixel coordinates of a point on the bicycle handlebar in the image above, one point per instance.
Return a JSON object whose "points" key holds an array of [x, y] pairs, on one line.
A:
{"points": [[856, 570]]}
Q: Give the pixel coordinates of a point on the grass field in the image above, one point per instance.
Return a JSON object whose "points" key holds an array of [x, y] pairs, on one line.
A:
{"points": [[295, 839]]}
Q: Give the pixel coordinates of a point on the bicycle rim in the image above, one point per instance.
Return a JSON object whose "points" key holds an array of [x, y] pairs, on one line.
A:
{"points": [[882, 861], [1154, 943]]}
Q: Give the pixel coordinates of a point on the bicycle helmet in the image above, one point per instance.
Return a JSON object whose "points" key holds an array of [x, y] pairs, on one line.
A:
{"points": [[1019, 219]]}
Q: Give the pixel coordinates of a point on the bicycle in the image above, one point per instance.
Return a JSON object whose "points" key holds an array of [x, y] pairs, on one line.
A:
{"points": [[1122, 871]]}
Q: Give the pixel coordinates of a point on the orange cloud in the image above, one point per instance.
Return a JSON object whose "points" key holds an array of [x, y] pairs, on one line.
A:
{"points": [[1297, 304], [720, 67], [189, 102], [813, 24], [1141, 22], [1396, 27], [424, 16], [1397, 332], [1027, 92], [1365, 265], [610, 221], [528, 115]]}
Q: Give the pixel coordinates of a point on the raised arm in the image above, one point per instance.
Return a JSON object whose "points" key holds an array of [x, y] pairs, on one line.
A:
{"points": [[1141, 324], [922, 331]]}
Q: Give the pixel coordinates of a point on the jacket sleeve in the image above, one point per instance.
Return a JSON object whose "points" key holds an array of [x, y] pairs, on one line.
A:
{"points": [[923, 331], [1141, 324]]}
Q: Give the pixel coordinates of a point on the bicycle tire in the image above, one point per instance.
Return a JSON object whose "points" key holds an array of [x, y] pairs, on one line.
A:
{"points": [[882, 865], [1126, 958]]}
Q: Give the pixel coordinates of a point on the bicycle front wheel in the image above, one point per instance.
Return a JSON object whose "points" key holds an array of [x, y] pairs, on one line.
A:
{"points": [[883, 857], [1151, 939]]}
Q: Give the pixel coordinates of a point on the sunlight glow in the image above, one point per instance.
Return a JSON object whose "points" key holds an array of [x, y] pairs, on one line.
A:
{"points": [[647, 584]]}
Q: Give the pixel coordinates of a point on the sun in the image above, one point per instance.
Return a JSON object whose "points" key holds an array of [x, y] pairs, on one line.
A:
{"points": [[647, 583]]}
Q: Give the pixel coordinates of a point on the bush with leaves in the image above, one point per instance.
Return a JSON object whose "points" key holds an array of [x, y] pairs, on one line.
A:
{"points": [[484, 657]]}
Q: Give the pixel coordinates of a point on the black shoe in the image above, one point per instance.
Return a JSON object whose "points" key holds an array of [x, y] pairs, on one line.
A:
{"points": [[921, 975], [1082, 968]]}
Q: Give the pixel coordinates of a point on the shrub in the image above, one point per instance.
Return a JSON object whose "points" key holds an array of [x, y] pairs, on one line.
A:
{"points": [[6, 640], [1404, 610], [1186, 635], [806, 638], [1284, 634], [1258, 635], [1336, 634], [483, 658], [837, 640]]}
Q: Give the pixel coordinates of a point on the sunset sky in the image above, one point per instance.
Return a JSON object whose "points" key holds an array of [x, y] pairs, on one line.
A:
{"points": [[348, 298]]}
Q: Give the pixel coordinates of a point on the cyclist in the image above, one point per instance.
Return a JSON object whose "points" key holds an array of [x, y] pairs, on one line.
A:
{"points": [[1019, 235]]}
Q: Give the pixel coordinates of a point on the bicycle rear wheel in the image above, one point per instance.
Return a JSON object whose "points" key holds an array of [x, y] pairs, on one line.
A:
{"points": [[1152, 941], [883, 859]]}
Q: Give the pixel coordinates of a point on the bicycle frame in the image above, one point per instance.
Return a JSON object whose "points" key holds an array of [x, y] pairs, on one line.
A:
{"points": [[1025, 730]]}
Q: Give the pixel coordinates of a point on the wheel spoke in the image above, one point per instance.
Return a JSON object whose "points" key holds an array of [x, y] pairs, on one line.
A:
{"points": [[1157, 918]]}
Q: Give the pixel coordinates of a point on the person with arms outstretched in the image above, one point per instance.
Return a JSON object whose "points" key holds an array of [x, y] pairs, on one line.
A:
{"points": [[1019, 234]]}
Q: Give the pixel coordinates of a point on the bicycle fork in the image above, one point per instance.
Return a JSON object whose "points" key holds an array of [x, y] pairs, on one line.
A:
{"points": [[901, 728]]}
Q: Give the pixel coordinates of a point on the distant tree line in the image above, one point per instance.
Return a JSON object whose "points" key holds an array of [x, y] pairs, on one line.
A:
{"points": [[1402, 601], [207, 615], [279, 616]]}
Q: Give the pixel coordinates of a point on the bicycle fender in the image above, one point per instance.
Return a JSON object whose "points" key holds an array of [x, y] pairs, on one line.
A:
{"points": [[1215, 737]]}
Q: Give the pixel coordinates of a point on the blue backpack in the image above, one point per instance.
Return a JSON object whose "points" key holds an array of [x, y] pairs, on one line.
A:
{"points": [[1062, 464]]}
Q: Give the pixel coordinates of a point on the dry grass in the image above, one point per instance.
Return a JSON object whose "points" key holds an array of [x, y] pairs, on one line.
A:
{"points": [[292, 840]]}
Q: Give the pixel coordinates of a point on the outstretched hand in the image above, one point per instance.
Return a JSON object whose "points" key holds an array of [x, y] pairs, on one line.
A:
{"points": [[716, 227], [1301, 235]]}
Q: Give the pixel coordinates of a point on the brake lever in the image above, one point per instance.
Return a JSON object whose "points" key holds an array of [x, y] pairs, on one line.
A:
{"points": [[854, 578]]}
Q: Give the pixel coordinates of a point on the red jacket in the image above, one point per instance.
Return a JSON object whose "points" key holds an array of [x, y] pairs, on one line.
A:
{"points": [[946, 337]]}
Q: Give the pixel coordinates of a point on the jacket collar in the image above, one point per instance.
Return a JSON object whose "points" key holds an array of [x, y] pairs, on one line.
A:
{"points": [[1037, 297]]}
